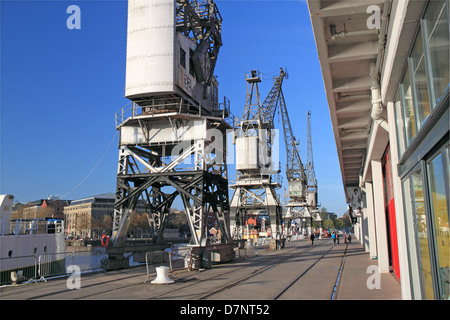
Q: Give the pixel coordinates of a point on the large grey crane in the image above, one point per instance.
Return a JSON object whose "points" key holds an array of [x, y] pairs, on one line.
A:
{"points": [[312, 181], [255, 164], [302, 182], [295, 171], [172, 132]]}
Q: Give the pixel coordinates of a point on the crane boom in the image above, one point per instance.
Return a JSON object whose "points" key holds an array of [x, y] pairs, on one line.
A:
{"points": [[269, 105], [312, 181], [294, 166], [295, 172]]}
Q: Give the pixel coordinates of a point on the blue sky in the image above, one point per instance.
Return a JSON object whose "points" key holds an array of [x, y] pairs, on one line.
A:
{"points": [[60, 89]]}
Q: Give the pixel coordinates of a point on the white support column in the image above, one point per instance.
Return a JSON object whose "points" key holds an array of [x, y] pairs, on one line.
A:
{"points": [[380, 217], [398, 199], [365, 223], [372, 243], [356, 229]]}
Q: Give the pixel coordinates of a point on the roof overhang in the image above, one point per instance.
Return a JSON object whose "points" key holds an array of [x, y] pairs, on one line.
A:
{"points": [[347, 46]]}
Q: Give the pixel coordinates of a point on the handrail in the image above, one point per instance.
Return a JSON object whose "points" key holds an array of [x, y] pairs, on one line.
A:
{"points": [[132, 110], [30, 226], [17, 268]]}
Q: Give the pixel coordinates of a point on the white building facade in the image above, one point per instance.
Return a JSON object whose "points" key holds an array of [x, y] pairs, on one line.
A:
{"points": [[385, 66]]}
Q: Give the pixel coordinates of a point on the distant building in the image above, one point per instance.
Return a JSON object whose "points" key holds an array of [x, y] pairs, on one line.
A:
{"points": [[84, 217], [79, 214], [42, 208]]}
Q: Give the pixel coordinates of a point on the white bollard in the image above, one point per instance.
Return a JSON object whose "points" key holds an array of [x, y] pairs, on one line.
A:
{"points": [[162, 276]]}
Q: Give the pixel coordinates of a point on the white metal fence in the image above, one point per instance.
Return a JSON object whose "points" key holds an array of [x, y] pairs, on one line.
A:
{"points": [[177, 258], [38, 268]]}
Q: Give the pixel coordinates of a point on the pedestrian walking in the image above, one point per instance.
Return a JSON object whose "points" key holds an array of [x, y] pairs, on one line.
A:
{"points": [[312, 239], [349, 238], [337, 237], [333, 236]]}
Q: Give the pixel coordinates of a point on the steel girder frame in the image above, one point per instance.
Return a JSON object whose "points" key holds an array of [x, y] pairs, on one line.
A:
{"points": [[201, 192], [254, 198], [308, 213]]}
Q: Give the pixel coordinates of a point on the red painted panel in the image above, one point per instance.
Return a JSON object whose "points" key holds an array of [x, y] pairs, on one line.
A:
{"points": [[390, 206]]}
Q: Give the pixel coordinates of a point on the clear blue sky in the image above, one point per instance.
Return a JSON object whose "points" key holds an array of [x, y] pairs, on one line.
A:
{"points": [[60, 89]]}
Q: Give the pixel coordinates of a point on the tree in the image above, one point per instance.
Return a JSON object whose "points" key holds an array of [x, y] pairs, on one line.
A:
{"points": [[107, 224], [138, 224], [347, 222], [176, 219], [328, 224], [83, 224], [339, 224]]}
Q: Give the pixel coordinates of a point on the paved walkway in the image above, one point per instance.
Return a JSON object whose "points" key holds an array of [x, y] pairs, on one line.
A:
{"points": [[316, 284], [359, 272]]}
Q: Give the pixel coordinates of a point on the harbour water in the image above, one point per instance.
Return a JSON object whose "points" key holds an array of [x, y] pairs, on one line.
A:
{"points": [[87, 258]]}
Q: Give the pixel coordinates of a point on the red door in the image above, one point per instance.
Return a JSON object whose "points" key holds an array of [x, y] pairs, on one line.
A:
{"points": [[390, 212]]}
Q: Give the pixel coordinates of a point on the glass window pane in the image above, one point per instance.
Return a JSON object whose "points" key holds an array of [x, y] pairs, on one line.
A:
{"points": [[436, 19], [399, 126], [437, 179], [419, 80], [408, 109], [411, 235], [422, 234]]}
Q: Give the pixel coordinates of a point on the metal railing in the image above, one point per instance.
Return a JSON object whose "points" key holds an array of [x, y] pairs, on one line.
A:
{"points": [[31, 226], [25, 266], [132, 110], [51, 264], [155, 259], [176, 259], [180, 259], [39, 268]]}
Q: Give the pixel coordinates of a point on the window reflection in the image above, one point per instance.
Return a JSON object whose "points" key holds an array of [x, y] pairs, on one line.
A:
{"points": [[408, 109], [422, 234], [437, 180], [399, 127], [437, 35], [419, 76]]}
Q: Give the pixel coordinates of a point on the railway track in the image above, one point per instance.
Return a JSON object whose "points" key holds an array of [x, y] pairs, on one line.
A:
{"points": [[291, 283], [286, 254]]}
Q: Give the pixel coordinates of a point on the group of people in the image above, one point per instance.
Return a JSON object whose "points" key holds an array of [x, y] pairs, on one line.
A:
{"points": [[334, 236]]}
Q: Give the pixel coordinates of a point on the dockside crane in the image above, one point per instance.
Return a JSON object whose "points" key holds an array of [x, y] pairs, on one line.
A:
{"points": [[257, 170], [312, 181], [302, 182], [172, 50], [295, 171], [312, 195]]}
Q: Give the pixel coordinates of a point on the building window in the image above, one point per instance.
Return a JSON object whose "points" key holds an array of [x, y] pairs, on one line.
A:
{"points": [[408, 109], [419, 82], [191, 63], [436, 35], [399, 125], [426, 199], [421, 231], [183, 58], [425, 83], [411, 237], [438, 176]]}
